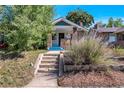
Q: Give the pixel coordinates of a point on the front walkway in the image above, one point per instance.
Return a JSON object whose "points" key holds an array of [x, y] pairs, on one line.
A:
{"points": [[45, 79]]}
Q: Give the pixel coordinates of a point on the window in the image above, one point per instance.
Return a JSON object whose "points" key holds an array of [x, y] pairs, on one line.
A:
{"points": [[61, 35], [112, 37]]}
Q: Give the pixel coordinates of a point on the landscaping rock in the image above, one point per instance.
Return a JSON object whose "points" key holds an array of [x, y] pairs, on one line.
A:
{"points": [[116, 68], [121, 68], [90, 68], [85, 68], [102, 68]]}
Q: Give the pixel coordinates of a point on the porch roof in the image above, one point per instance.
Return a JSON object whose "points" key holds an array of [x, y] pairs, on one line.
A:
{"points": [[120, 30], [111, 30], [61, 27]]}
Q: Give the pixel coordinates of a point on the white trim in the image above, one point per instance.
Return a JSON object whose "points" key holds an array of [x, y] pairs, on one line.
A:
{"points": [[69, 22], [63, 28]]}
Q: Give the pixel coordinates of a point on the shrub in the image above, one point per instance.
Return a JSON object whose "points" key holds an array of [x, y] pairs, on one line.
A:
{"points": [[25, 27], [89, 50]]}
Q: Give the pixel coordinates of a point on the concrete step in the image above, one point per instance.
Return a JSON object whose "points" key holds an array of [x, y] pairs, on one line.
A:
{"points": [[50, 57], [49, 61], [51, 54], [46, 70], [48, 65]]}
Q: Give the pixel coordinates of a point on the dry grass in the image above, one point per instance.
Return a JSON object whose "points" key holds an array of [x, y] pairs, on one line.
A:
{"points": [[90, 49], [118, 51], [18, 72]]}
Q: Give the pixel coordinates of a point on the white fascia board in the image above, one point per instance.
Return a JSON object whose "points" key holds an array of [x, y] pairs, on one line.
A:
{"points": [[69, 22]]}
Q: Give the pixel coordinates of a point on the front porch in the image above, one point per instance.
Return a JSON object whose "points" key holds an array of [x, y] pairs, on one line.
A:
{"points": [[59, 40], [62, 33]]}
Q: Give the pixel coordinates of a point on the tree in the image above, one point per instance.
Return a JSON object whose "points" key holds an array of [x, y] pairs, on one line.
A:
{"points": [[79, 16], [28, 26], [110, 22], [116, 23]]}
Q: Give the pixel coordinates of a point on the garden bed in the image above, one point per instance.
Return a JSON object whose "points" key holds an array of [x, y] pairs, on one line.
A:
{"points": [[92, 79], [88, 63]]}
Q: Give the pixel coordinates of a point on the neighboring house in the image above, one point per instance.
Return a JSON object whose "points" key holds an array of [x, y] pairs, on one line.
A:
{"points": [[112, 35], [108, 34], [64, 31]]}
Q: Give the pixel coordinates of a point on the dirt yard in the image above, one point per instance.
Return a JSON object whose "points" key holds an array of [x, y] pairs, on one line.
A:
{"points": [[92, 79]]}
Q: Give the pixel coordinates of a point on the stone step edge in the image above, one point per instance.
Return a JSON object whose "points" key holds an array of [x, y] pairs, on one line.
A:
{"points": [[48, 66], [51, 55], [49, 71], [49, 62]]}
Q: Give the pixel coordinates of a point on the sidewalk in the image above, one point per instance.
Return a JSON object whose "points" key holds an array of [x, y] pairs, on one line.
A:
{"points": [[44, 80]]}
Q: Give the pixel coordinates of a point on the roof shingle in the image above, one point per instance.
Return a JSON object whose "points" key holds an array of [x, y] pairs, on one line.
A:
{"points": [[112, 29]]}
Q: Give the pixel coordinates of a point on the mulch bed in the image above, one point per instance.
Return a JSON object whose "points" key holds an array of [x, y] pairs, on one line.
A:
{"points": [[92, 79]]}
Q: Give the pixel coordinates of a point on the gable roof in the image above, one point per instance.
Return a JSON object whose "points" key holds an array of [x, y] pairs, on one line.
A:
{"points": [[68, 22], [120, 30], [110, 30]]}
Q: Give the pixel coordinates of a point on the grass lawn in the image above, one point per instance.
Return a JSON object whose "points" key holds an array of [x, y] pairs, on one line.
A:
{"points": [[18, 71]]}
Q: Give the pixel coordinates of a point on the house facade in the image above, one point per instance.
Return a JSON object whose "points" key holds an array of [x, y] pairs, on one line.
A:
{"points": [[113, 35], [64, 32]]}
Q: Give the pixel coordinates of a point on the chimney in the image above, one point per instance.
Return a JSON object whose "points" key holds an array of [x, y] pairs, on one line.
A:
{"points": [[97, 25]]}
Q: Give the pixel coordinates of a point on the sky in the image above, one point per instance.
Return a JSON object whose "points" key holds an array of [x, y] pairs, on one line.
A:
{"points": [[99, 12]]}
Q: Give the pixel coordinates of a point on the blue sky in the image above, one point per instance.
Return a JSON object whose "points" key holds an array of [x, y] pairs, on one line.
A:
{"points": [[100, 12]]}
